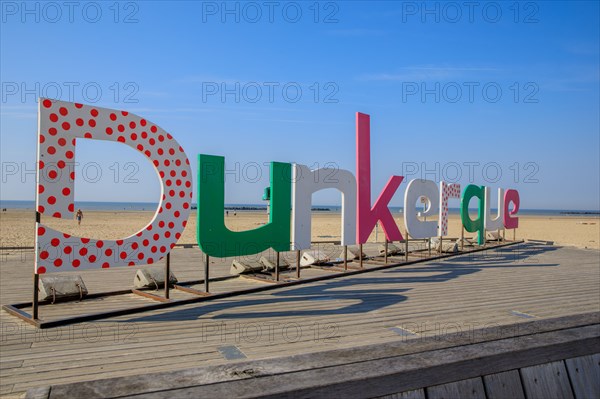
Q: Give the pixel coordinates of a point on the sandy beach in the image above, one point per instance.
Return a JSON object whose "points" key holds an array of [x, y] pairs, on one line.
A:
{"points": [[16, 227]]}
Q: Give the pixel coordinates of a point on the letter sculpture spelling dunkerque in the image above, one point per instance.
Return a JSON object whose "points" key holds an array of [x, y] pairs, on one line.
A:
{"points": [[61, 124]]}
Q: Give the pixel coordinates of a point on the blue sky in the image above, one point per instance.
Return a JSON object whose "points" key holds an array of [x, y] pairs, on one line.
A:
{"points": [[503, 87]]}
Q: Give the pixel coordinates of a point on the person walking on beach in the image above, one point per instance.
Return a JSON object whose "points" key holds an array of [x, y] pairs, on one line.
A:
{"points": [[79, 216]]}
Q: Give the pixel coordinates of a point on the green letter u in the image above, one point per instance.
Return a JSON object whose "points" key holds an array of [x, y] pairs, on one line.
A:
{"points": [[214, 238]]}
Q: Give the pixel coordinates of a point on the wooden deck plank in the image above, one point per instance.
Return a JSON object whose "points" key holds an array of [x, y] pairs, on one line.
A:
{"points": [[181, 334], [504, 385], [363, 307], [441, 343], [584, 373], [382, 312], [548, 380], [371, 302], [86, 343], [414, 394], [248, 346], [358, 372], [368, 301], [68, 308], [464, 389]]}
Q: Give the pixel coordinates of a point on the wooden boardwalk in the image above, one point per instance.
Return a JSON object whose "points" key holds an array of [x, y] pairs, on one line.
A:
{"points": [[498, 289], [549, 358]]}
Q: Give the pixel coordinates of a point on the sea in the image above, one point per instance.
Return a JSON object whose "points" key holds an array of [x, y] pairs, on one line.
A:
{"points": [[151, 206]]}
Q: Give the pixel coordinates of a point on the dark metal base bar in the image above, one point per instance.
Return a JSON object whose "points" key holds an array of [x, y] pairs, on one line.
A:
{"points": [[149, 295], [257, 277], [338, 267], [15, 309], [327, 268], [190, 290], [419, 254], [17, 312], [122, 292]]}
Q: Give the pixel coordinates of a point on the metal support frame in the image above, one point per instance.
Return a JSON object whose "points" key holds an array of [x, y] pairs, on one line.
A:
{"points": [[206, 273], [167, 274], [190, 290], [345, 258], [360, 255], [406, 246], [36, 302], [36, 279], [162, 303], [259, 277], [150, 295], [386, 251], [155, 297]]}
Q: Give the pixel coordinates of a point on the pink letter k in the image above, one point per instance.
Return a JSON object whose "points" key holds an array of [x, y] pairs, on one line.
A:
{"points": [[367, 217]]}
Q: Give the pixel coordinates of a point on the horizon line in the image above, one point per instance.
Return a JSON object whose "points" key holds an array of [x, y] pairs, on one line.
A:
{"points": [[313, 205]]}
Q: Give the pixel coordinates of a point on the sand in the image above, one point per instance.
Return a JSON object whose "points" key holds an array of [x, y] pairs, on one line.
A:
{"points": [[17, 227]]}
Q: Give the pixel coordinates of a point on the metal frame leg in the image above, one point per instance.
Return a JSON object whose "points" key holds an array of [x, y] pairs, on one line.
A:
{"points": [[277, 266], [35, 303], [406, 246], [167, 274], [386, 251], [345, 258], [360, 252], [206, 273], [36, 278]]}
